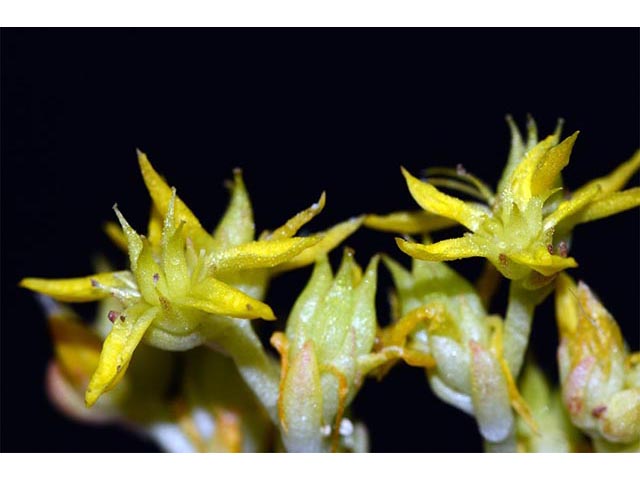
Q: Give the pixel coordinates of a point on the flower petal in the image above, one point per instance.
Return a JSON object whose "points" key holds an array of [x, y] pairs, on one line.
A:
{"points": [[520, 184], [433, 200], [161, 194], [451, 249], [408, 222], [329, 239], [213, 296], [83, 289], [259, 254], [569, 207], [134, 242], [543, 262], [77, 348], [116, 235], [550, 165], [616, 179], [236, 227], [118, 349], [291, 227], [606, 206]]}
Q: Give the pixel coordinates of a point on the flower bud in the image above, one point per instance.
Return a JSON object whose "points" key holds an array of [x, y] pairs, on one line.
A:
{"points": [[597, 373], [331, 328]]}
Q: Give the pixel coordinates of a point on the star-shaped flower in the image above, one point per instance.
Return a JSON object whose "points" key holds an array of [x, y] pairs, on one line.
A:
{"points": [[523, 229], [183, 280]]}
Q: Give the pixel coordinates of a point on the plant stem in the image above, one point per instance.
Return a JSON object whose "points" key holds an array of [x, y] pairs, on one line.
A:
{"points": [[260, 371]]}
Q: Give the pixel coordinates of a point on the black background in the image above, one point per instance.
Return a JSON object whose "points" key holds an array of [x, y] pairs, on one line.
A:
{"points": [[301, 111]]}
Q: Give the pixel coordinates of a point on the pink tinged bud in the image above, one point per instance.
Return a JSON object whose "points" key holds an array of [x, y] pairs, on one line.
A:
{"points": [[302, 403], [574, 391], [490, 395]]}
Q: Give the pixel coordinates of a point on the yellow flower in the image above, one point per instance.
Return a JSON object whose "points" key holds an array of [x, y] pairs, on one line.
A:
{"points": [[213, 411], [183, 283], [600, 378], [524, 228]]}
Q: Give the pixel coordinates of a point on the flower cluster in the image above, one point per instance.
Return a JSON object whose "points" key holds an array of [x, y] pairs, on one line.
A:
{"points": [[185, 305]]}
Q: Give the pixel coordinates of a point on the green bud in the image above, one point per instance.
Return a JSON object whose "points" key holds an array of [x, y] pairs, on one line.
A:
{"points": [[331, 327]]}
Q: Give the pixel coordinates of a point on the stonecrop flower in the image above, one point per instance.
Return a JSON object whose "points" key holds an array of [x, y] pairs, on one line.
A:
{"points": [[524, 228], [600, 378], [184, 284], [325, 354], [212, 410], [439, 316]]}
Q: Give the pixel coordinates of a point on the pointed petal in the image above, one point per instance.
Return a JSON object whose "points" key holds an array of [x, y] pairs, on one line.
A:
{"points": [[154, 228], [451, 249], [236, 226], [569, 207], [77, 348], [149, 276], [174, 264], [519, 185], [291, 227], [433, 200], [259, 254], [329, 239], [83, 289], [616, 179], [213, 296], [161, 195], [134, 242], [548, 169], [543, 262], [408, 223], [116, 235], [490, 395], [516, 153], [566, 304], [118, 349], [606, 206]]}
